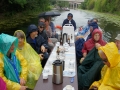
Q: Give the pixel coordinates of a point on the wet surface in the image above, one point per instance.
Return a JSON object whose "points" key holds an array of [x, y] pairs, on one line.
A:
{"points": [[110, 29]]}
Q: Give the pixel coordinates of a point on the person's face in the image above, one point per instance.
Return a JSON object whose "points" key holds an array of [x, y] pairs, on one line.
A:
{"points": [[20, 41], [34, 34], [11, 48], [104, 58], [41, 28], [96, 37], [69, 17], [42, 20], [106, 62], [117, 42], [47, 23]]}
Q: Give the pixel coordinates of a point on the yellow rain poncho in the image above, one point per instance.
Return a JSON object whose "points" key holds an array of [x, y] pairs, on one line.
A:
{"points": [[110, 75], [7, 71], [34, 64]]}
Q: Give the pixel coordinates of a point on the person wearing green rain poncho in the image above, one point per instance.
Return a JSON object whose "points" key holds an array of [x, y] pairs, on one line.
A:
{"points": [[110, 73], [34, 65], [13, 66]]}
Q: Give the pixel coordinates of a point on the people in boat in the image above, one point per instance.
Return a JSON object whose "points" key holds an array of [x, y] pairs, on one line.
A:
{"points": [[54, 34], [69, 20], [93, 26], [90, 44], [37, 42], [13, 66], [33, 59], [42, 32], [49, 33], [83, 30], [51, 24], [110, 73]]}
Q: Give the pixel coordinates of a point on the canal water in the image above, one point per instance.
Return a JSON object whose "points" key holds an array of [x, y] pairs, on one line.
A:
{"points": [[110, 29]]}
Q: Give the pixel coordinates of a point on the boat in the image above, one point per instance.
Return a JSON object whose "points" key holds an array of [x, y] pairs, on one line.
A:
{"points": [[67, 9]]}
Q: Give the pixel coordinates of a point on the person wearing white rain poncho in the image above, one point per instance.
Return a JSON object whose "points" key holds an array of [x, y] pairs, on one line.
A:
{"points": [[13, 66], [34, 65]]}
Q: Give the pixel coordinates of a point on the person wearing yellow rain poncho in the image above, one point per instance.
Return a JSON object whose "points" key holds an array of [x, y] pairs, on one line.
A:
{"points": [[110, 74], [13, 66], [34, 65]]}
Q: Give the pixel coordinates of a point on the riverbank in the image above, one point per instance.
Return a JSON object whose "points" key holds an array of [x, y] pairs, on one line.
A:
{"points": [[10, 22], [105, 16]]}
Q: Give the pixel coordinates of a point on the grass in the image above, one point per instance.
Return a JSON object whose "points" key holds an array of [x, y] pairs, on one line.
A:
{"points": [[106, 16]]}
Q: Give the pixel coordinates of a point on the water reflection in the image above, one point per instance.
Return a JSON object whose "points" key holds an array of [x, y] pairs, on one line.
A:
{"points": [[110, 29]]}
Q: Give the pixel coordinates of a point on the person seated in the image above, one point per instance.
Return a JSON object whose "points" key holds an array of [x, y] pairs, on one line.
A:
{"points": [[83, 30], [42, 32], [49, 33], [37, 42], [51, 24], [93, 25], [13, 66], [54, 34], [69, 20], [90, 44], [111, 74], [33, 59]]}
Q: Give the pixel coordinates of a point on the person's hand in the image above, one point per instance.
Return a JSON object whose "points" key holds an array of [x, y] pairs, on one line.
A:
{"points": [[97, 45], [81, 60], [79, 37], [41, 56], [42, 48], [93, 88], [22, 82], [23, 87]]}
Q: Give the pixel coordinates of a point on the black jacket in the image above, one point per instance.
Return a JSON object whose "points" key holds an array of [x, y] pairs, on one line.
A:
{"points": [[44, 35], [37, 43], [66, 21]]}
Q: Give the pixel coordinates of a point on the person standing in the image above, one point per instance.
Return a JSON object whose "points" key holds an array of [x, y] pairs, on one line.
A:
{"points": [[69, 20]]}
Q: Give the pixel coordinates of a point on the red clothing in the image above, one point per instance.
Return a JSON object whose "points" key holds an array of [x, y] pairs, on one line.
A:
{"points": [[90, 44]]}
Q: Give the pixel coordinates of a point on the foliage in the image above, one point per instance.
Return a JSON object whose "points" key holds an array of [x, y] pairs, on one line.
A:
{"points": [[14, 6], [90, 4], [17, 12], [110, 6], [63, 3]]}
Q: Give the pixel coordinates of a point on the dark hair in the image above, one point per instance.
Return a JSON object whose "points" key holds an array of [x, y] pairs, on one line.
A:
{"points": [[19, 34], [95, 19], [47, 20], [41, 19], [70, 14]]}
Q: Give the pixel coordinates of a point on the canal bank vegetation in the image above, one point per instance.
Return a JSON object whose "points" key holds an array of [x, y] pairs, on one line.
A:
{"points": [[107, 6], [17, 12]]}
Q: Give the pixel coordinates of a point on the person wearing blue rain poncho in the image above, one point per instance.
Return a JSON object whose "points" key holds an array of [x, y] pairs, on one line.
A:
{"points": [[13, 67]]}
